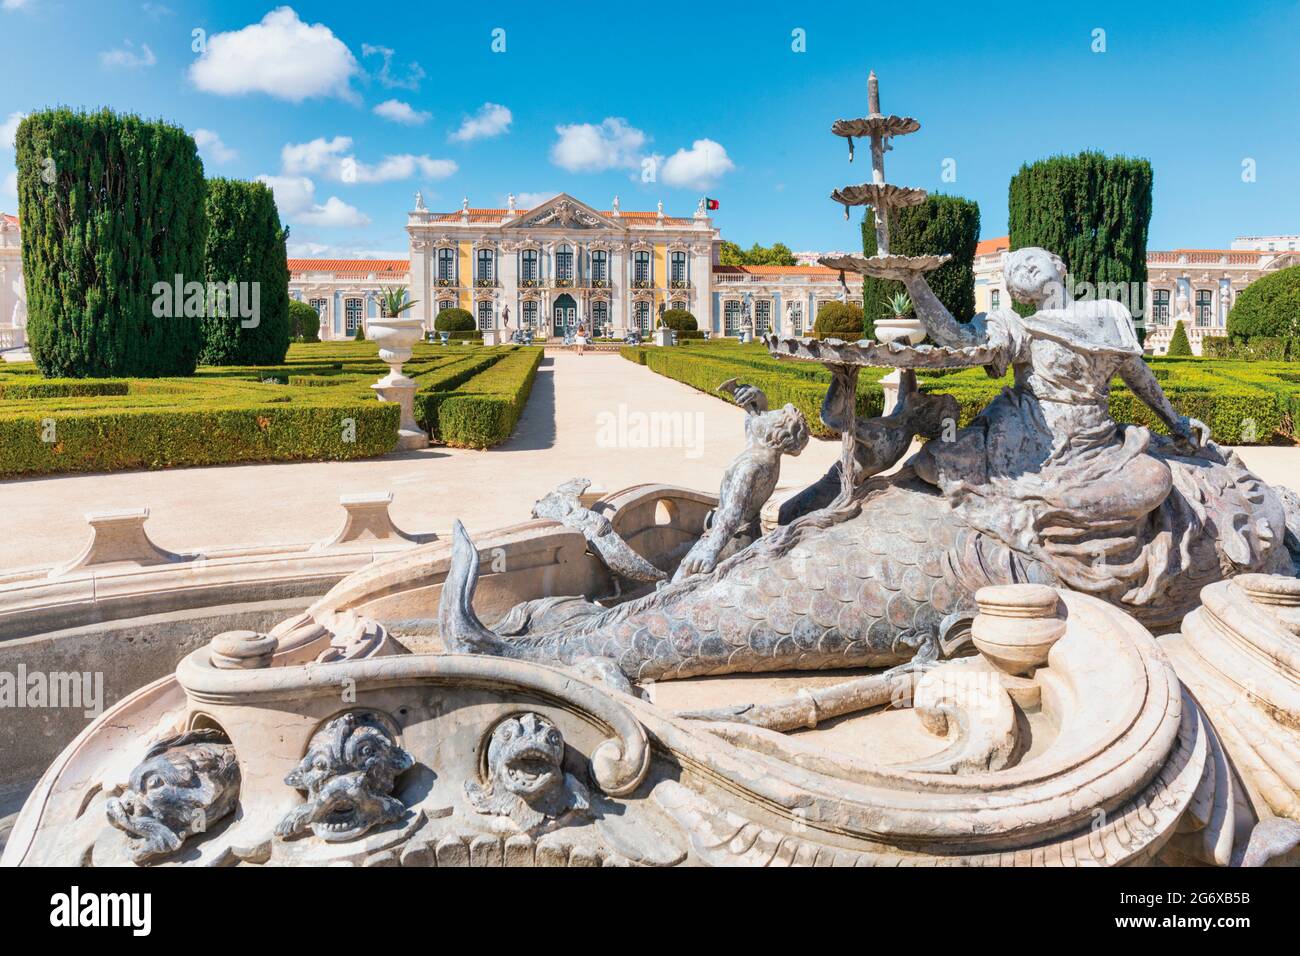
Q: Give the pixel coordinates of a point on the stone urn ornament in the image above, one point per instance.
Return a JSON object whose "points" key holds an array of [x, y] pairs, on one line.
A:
{"points": [[396, 337], [900, 323]]}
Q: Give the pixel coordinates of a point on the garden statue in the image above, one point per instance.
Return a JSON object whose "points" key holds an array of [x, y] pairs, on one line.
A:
{"points": [[749, 480]]}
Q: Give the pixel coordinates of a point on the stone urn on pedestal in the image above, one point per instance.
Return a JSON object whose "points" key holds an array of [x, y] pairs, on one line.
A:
{"points": [[395, 338]]}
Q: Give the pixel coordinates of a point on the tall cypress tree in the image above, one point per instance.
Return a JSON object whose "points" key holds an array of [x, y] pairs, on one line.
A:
{"points": [[941, 224], [110, 206], [1091, 210], [246, 252]]}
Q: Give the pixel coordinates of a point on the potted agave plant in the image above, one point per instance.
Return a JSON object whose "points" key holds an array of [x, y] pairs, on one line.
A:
{"points": [[899, 324]]}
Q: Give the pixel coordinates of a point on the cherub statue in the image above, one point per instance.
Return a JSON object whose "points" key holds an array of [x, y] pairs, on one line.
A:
{"points": [[749, 480]]}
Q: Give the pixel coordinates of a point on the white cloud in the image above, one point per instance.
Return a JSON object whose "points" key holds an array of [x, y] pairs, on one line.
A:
{"points": [[295, 197], [157, 10], [533, 200], [330, 250], [10, 5], [212, 147], [280, 56], [333, 159], [492, 119], [586, 148], [400, 112], [414, 72], [9, 129], [699, 167], [9, 190], [127, 57]]}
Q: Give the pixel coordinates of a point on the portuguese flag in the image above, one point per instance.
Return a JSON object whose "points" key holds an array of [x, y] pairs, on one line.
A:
{"points": [[710, 203]]}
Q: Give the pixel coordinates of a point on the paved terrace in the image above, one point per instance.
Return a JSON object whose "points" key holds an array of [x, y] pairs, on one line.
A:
{"points": [[588, 416]]}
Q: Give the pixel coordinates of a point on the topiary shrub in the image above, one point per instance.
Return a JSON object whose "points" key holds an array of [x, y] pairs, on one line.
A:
{"points": [[1091, 210], [1179, 347], [1269, 306], [679, 320], [360, 334], [941, 224], [245, 254], [454, 320], [304, 322], [838, 320], [112, 211]]}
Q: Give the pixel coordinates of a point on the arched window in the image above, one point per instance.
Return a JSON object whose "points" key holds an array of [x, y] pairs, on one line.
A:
{"points": [[599, 318], [641, 315], [1204, 307], [677, 269], [485, 315], [1160, 307], [446, 265], [484, 270], [796, 318], [564, 264], [321, 306], [530, 314], [528, 265], [446, 304], [641, 274], [762, 316], [679, 305], [352, 314], [731, 317], [599, 268]]}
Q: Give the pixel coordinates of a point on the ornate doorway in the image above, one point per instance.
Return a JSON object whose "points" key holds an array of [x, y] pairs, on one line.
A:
{"points": [[565, 314]]}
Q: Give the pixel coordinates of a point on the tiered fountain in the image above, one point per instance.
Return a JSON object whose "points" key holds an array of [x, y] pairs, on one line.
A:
{"points": [[897, 345]]}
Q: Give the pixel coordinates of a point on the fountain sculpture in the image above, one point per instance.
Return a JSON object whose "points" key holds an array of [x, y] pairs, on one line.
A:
{"points": [[1004, 585]]}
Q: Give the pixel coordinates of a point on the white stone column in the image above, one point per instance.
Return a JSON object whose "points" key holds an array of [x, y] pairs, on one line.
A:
{"points": [[508, 283]]}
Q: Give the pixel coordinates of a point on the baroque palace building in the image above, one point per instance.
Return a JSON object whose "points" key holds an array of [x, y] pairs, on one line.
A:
{"points": [[563, 264]]}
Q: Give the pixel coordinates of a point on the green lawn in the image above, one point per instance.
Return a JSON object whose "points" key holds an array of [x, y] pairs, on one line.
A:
{"points": [[1246, 403], [316, 405]]}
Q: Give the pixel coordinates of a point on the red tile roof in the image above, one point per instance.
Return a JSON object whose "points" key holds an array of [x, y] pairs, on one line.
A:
{"points": [[378, 266], [987, 247], [775, 270], [8, 218]]}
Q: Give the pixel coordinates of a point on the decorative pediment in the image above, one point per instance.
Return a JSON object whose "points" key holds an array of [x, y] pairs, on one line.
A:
{"points": [[564, 212]]}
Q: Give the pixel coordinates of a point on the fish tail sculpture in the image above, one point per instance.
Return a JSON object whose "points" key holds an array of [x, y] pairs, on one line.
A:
{"points": [[872, 588]]}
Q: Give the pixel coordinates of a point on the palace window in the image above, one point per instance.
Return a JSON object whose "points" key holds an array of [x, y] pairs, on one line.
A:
{"points": [[641, 314], [679, 305], [731, 317], [447, 264], [1204, 307], [762, 316], [484, 271], [528, 265], [1160, 307], [352, 314], [599, 318], [677, 267], [641, 267], [321, 306], [995, 299], [564, 264], [600, 266], [530, 315], [796, 318], [485, 315], [446, 304]]}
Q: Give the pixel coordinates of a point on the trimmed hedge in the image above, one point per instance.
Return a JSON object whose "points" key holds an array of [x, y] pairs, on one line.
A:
{"points": [[454, 320], [839, 320], [1269, 306], [63, 388], [679, 320], [484, 410], [1243, 403]]}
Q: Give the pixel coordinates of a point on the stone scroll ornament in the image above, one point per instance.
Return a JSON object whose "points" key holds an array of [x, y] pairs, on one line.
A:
{"points": [[349, 774], [184, 785], [526, 779]]}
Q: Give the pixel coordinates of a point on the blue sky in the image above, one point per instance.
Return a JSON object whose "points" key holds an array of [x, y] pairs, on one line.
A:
{"points": [[377, 100]]}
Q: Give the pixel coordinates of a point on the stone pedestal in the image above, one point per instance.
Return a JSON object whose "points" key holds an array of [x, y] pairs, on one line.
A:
{"points": [[491, 337], [663, 336], [400, 389], [890, 384]]}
